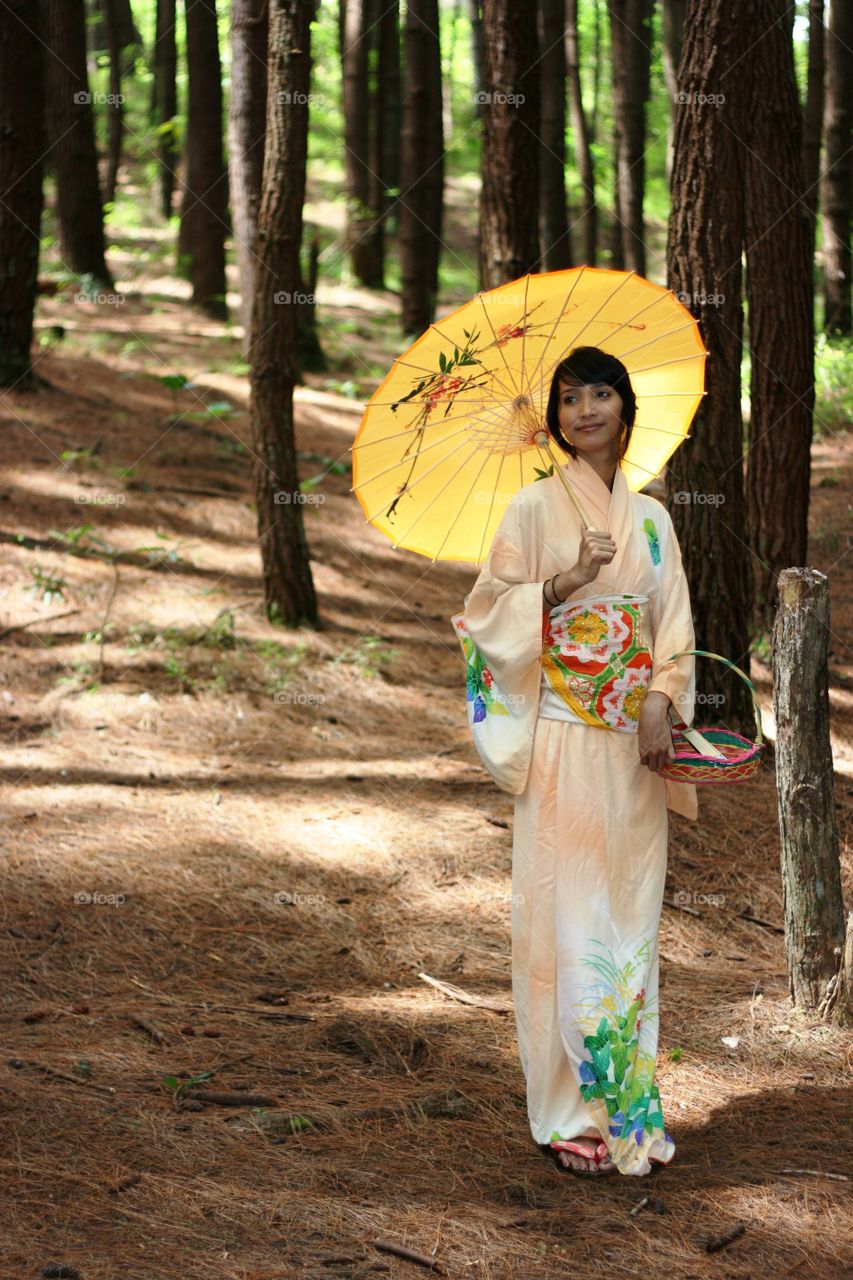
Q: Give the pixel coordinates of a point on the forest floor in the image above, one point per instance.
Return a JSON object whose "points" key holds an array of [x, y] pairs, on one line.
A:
{"points": [[230, 850]]}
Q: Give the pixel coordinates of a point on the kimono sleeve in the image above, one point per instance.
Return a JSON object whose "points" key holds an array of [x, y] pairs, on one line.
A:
{"points": [[672, 625], [503, 612], [500, 631]]}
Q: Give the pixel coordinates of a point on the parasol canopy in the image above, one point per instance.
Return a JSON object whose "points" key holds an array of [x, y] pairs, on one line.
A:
{"points": [[451, 433]]}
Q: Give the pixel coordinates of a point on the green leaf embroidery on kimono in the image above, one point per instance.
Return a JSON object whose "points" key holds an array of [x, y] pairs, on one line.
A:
{"points": [[650, 530], [618, 1074]]}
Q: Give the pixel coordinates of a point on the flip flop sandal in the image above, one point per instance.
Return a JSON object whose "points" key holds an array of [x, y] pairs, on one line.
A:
{"points": [[552, 1149]]}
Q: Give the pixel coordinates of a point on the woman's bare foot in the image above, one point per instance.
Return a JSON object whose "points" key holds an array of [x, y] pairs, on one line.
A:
{"points": [[583, 1164]]}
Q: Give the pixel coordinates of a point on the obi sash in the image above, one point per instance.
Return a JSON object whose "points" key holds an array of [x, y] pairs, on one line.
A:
{"points": [[596, 660]]}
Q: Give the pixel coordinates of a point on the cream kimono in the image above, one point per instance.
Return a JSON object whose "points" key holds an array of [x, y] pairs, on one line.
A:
{"points": [[590, 829]]}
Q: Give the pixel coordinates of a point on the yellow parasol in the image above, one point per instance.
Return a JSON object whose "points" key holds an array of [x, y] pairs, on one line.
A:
{"points": [[458, 424]]}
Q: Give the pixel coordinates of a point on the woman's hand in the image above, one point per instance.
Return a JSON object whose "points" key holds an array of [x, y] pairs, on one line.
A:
{"points": [[654, 732], [596, 548]]}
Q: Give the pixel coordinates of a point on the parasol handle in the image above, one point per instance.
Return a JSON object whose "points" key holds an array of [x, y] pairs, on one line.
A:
{"points": [[543, 440]]}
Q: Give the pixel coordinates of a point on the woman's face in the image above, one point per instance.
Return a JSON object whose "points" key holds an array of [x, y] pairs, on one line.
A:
{"points": [[590, 417]]}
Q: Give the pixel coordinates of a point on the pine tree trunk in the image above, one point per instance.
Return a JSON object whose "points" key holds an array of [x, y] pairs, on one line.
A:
{"points": [[204, 204], [421, 167], [509, 204], [631, 43], [22, 148], [811, 872], [246, 123], [363, 218], [288, 584], [164, 104], [813, 111], [837, 192], [71, 141], [475, 8], [781, 306], [114, 106], [674, 13], [389, 108], [617, 235], [705, 241], [555, 247], [587, 222]]}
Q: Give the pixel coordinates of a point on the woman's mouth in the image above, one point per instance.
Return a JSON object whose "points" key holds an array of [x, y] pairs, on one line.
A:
{"points": [[594, 426]]}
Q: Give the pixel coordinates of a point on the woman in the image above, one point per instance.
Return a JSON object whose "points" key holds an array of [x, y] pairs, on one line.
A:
{"points": [[569, 707]]}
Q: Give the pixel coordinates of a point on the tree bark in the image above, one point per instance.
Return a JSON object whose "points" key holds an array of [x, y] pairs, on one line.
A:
{"points": [[164, 104], [705, 242], [477, 53], [389, 109], [813, 111], [555, 247], [837, 192], [288, 585], [22, 148], [71, 141], [811, 871], [631, 52], [204, 205], [421, 167], [781, 307], [364, 226], [509, 204], [246, 125], [674, 13], [588, 217], [115, 111]]}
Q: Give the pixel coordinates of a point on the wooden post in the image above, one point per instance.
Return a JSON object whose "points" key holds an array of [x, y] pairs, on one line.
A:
{"points": [[811, 871]]}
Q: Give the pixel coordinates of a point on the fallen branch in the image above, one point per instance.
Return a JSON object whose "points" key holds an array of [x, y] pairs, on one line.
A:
{"points": [[720, 1242], [400, 1251], [818, 1173], [156, 1036], [497, 1003], [22, 626], [230, 1099], [18, 1063], [765, 924]]}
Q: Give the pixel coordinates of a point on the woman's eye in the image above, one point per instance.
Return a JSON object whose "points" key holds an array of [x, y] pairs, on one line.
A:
{"points": [[604, 393]]}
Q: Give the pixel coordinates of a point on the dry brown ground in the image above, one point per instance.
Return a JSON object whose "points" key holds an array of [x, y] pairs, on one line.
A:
{"points": [[297, 826]]}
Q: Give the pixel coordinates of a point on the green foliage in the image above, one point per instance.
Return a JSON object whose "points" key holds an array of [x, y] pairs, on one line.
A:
{"points": [[50, 586], [369, 654]]}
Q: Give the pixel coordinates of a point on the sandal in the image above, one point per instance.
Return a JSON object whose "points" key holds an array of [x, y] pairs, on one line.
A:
{"points": [[601, 1152]]}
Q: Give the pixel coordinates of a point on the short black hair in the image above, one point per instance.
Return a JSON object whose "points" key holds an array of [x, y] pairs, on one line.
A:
{"points": [[589, 366]]}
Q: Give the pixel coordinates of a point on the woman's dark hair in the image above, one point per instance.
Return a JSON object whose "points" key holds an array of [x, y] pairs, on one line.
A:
{"points": [[588, 366]]}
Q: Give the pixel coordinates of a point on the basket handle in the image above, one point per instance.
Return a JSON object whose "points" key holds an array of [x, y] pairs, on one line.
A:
{"points": [[703, 653]]}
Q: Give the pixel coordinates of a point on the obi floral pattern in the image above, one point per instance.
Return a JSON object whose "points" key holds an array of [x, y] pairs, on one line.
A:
{"points": [[595, 658]]}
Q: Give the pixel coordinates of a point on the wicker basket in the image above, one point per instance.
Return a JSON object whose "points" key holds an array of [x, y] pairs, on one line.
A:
{"points": [[740, 758]]}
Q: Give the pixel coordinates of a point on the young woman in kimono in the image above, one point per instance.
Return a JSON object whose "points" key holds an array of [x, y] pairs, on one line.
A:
{"points": [[569, 707]]}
